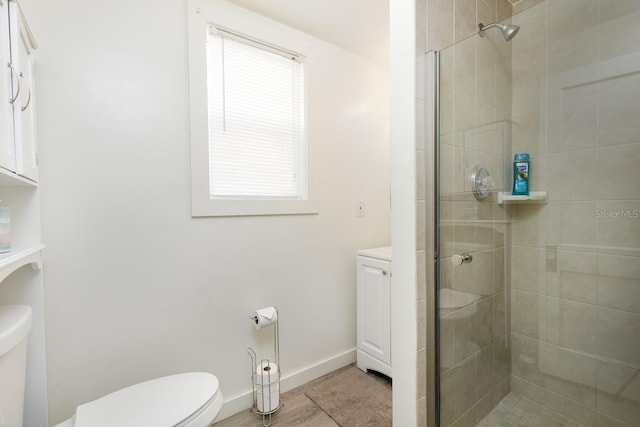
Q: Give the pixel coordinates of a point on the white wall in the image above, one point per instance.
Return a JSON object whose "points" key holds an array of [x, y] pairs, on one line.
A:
{"points": [[136, 288], [405, 218]]}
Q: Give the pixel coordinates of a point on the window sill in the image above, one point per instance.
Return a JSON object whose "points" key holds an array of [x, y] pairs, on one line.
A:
{"points": [[211, 208]]}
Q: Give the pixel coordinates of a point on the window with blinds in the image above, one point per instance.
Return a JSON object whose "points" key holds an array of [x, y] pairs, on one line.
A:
{"points": [[255, 98]]}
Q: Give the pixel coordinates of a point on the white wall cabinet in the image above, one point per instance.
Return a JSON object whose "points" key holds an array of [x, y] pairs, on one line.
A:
{"points": [[18, 150], [374, 310], [21, 279]]}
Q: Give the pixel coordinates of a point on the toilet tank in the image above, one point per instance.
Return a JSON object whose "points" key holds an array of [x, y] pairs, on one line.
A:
{"points": [[15, 323]]}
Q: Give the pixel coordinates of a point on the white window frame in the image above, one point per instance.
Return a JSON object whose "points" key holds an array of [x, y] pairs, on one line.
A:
{"points": [[202, 13]]}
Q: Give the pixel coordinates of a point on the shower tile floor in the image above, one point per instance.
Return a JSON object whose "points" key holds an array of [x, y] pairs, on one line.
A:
{"points": [[516, 411]]}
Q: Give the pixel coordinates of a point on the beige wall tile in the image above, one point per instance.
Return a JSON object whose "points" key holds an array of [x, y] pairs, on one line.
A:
{"points": [[420, 125], [464, 375], [619, 282], [528, 314], [575, 277], [484, 375], [499, 315], [522, 5], [483, 323], [573, 183], [421, 25], [468, 419], [529, 390], [422, 373], [447, 401], [486, 10], [446, 169], [464, 340], [618, 336], [447, 342], [572, 325], [464, 71], [486, 70], [465, 19], [420, 175], [420, 224], [484, 406], [439, 37], [484, 272], [618, 39], [529, 225], [618, 391], [618, 224], [421, 275], [572, 223], [498, 270], [531, 42], [464, 280], [501, 360], [619, 174], [422, 412], [504, 9], [529, 86], [465, 114], [528, 358], [527, 269], [571, 22], [421, 309], [573, 125], [571, 374]]}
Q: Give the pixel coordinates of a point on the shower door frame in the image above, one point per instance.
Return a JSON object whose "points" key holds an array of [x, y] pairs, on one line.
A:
{"points": [[431, 64]]}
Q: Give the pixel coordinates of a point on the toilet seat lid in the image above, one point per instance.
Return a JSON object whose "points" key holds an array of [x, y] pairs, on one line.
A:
{"points": [[167, 401]]}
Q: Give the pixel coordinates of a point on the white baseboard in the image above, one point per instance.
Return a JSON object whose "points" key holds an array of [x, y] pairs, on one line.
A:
{"points": [[243, 401]]}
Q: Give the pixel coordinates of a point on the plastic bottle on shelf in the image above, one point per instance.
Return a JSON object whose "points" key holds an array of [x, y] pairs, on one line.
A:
{"points": [[521, 173]]}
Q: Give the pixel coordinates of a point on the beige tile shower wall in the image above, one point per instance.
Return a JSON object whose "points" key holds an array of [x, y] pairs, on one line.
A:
{"points": [[449, 21], [576, 261]]}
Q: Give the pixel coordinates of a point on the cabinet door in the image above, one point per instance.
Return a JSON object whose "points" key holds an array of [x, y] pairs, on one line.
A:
{"points": [[22, 46], [7, 147], [374, 307]]}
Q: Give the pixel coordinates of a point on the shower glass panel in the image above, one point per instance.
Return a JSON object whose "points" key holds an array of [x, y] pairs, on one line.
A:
{"points": [[539, 299]]}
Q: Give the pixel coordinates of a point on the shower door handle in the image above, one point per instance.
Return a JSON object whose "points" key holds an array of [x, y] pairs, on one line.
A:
{"points": [[461, 259]]}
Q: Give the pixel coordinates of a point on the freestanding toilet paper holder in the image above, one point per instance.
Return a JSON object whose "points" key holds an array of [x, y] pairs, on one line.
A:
{"points": [[266, 386]]}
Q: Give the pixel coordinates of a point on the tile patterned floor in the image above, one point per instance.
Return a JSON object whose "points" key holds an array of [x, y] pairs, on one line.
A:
{"points": [[299, 410], [516, 411]]}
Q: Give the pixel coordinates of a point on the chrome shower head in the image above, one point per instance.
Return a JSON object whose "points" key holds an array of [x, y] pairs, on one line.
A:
{"points": [[508, 31]]}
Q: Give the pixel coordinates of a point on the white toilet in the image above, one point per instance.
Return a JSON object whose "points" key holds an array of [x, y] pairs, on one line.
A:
{"points": [[184, 400], [15, 323]]}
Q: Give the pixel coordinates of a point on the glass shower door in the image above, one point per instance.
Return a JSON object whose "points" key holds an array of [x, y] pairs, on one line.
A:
{"points": [[539, 299], [474, 146]]}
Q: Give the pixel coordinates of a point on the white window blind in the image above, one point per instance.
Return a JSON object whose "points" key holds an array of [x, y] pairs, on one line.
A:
{"points": [[257, 147]]}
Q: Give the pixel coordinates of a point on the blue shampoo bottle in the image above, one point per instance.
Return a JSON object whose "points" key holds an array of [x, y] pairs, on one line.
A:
{"points": [[521, 174]]}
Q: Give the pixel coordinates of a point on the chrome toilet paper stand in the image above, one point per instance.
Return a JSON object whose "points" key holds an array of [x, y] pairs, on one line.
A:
{"points": [[267, 390]]}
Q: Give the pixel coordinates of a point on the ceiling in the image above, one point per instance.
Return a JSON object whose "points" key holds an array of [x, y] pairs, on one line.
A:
{"points": [[360, 26]]}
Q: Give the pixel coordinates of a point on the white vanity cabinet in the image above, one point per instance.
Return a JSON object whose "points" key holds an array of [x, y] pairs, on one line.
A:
{"points": [[18, 153], [373, 284]]}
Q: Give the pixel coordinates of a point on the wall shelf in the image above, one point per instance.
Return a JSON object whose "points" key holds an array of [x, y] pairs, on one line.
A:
{"points": [[13, 260], [533, 197], [10, 179]]}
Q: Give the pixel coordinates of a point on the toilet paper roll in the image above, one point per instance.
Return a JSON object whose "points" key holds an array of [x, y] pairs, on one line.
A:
{"points": [[267, 373], [268, 397], [265, 317]]}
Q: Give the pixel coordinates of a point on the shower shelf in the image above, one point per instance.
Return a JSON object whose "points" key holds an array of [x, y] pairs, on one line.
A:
{"points": [[13, 260], [533, 197]]}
